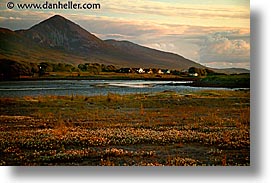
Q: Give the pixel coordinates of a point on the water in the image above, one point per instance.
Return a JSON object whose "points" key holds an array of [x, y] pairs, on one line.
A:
{"points": [[90, 87]]}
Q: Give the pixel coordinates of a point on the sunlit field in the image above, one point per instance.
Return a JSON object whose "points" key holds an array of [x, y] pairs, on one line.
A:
{"points": [[202, 128]]}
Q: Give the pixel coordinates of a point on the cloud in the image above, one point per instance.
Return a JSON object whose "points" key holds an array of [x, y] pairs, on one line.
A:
{"points": [[176, 9], [162, 46], [210, 34], [110, 28], [163, 11], [24, 19], [172, 12], [218, 48], [113, 36]]}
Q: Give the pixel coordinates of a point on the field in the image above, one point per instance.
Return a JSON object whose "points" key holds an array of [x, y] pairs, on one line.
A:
{"points": [[105, 76], [227, 81], [183, 129]]}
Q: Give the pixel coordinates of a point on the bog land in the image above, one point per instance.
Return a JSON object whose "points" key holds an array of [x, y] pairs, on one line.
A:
{"points": [[166, 128]]}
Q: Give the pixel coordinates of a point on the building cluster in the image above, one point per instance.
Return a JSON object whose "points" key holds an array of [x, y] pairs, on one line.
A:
{"points": [[144, 71]]}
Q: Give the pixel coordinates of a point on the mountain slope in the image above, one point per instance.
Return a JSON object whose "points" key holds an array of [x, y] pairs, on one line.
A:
{"points": [[16, 47], [60, 33], [147, 56]]}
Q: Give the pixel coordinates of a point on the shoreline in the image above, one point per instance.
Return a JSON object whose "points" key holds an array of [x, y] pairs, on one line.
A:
{"points": [[101, 78], [194, 82]]}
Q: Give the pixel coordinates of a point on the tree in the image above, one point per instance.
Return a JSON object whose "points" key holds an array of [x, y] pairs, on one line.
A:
{"points": [[12, 69], [45, 67], [111, 68], [34, 68], [108, 68], [83, 67], [94, 69], [210, 72], [200, 72]]}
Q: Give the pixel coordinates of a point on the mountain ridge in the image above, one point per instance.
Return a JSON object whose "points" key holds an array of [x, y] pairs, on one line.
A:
{"points": [[58, 32]]}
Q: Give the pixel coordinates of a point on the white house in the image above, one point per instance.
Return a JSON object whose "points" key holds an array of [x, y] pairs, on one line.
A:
{"points": [[140, 71], [194, 74], [160, 71]]}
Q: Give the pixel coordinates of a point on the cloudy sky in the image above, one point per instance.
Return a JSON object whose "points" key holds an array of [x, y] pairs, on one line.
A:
{"points": [[215, 33]]}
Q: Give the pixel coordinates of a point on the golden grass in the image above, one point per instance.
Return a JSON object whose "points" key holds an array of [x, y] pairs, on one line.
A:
{"points": [[165, 129]]}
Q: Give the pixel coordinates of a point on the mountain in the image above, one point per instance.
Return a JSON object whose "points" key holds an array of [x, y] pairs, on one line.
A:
{"points": [[16, 47], [60, 33], [232, 71], [58, 39], [145, 55]]}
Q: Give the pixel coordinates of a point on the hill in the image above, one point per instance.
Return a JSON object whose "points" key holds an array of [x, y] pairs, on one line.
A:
{"points": [[232, 71]]}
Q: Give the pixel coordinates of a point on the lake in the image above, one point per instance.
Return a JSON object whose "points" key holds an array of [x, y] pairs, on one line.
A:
{"points": [[91, 87]]}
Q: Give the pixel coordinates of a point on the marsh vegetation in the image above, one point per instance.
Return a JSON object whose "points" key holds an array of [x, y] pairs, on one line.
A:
{"points": [[168, 128]]}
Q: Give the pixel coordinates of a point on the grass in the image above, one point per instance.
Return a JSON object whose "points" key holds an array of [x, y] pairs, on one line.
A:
{"points": [[170, 129], [228, 81], [106, 76]]}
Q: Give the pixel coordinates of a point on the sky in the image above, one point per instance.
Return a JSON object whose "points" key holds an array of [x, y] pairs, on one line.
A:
{"points": [[214, 33]]}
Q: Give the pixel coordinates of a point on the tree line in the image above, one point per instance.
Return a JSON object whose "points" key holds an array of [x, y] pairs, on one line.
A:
{"points": [[96, 68], [201, 71], [14, 69]]}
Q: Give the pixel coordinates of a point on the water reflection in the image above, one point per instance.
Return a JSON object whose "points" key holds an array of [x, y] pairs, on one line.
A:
{"points": [[90, 87]]}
